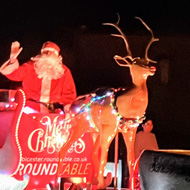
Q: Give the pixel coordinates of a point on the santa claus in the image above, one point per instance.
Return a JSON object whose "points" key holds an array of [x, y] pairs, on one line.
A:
{"points": [[47, 82]]}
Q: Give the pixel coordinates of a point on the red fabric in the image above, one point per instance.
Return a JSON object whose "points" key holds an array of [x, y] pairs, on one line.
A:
{"points": [[63, 90], [49, 44]]}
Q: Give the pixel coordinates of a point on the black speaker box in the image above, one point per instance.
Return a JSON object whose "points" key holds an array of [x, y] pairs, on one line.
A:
{"points": [[164, 170]]}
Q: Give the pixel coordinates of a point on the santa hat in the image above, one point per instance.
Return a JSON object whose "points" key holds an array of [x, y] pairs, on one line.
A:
{"points": [[50, 46]]}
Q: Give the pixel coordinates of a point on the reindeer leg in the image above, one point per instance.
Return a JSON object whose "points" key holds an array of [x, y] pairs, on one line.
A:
{"points": [[95, 156], [95, 114], [129, 138], [107, 135]]}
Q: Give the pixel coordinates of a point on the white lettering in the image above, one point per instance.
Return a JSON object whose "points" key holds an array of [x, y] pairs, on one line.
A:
{"points": [[78, 146], [53, 170], [46, 169], [52, 136], [30, 169], [38, 169]]}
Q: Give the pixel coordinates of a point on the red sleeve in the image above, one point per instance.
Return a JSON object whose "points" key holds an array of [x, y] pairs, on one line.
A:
{"points": [[69, 93], [20, 73]]}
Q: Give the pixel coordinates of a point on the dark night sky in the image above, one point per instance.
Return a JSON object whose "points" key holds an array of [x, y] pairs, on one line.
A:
{"points": [[33, 22], [21, 16]]}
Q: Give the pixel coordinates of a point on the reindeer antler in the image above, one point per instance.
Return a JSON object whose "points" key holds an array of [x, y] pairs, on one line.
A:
{"points": [[121, 35], [151, 41]]}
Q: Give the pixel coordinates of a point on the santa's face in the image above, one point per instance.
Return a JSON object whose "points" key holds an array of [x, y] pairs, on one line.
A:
{"points": [[48, 52]]}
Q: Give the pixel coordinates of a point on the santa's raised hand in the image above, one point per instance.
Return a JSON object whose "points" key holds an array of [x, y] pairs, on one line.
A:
{"points": [[15, 51], [12, 63]]}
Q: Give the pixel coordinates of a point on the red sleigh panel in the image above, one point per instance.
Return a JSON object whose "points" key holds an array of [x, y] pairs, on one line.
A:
{"points": [[38, 138], [41, 137]]}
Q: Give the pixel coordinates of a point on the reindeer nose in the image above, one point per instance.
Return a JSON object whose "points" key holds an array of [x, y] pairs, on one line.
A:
{"points": [[152, 69]]}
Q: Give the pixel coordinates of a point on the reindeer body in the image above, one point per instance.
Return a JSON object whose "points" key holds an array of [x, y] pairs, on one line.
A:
{"points": [[106, 120], [103, 128], [133, 104], [109, 119]]}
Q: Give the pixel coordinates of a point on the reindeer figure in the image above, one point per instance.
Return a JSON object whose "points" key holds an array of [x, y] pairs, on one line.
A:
{"points": [[132, 104], [113, 111]]}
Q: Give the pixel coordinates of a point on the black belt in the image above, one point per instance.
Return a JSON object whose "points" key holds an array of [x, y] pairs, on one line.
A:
{"points": [[52, 106]]}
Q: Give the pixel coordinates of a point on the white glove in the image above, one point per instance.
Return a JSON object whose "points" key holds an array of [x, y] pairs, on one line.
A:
{"points": [[12, 63], [15, 48]]}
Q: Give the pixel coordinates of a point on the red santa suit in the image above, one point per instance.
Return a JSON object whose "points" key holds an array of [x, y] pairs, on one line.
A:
{"points": [[42, 89]]}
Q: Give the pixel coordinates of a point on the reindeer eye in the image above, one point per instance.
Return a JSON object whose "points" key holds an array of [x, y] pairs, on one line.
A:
{"points": [[141, 62]]}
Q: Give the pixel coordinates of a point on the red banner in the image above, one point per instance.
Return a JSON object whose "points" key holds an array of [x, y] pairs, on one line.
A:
{"points": [[40, 137]]}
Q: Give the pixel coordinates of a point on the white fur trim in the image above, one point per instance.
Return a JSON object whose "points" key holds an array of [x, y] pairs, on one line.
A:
{"points": [[50, 49], [45, 89]]}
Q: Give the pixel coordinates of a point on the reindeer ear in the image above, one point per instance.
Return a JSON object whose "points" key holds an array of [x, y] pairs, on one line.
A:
{"points": [[123, 61]]}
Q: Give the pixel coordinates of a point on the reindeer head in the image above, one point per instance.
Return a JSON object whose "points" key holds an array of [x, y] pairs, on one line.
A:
{"points": [[137, 64]]}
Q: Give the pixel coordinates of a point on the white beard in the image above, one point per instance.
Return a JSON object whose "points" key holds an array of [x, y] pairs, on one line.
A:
{"points": [[48, 66]]}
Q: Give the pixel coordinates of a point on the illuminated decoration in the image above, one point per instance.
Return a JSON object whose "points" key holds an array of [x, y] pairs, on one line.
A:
{"points": [[29, 110], [17, 127], [11, 146], [11, 153], [6, 106], [7, 100]]}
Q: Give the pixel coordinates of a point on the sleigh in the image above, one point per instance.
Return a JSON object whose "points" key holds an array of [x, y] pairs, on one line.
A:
{"points": [[30, 144]]}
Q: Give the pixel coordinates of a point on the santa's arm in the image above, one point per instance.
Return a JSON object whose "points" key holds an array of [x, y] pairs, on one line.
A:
{"points": [[12, 63]]}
